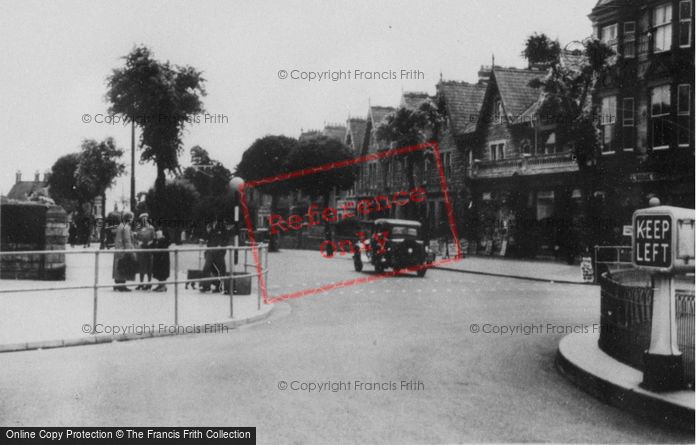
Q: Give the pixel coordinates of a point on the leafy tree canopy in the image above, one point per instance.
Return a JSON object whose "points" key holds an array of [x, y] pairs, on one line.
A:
{"points": [[161, 98], [267, 157], [315, 152]]}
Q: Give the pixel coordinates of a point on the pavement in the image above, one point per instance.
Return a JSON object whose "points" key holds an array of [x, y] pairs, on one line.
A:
{"points": [[536, 270], [616, 383], [36, 319]]}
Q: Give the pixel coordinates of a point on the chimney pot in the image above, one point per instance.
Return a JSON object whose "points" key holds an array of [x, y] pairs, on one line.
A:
{"points": [[18, 176]]}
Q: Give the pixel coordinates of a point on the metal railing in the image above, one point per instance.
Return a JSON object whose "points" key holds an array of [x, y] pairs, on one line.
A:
{"points": [[259, 268], [610, 259], [685, 319], [626, 299]]}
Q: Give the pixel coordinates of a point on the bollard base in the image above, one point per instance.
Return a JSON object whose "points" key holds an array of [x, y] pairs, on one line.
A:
{"points": [[662, 372]]}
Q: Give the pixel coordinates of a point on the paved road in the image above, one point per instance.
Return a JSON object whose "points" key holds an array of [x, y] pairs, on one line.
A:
{"points": [[475, 387]]}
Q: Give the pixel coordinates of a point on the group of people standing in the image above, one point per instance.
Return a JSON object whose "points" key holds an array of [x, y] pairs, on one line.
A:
{"points": [[148, 265]]}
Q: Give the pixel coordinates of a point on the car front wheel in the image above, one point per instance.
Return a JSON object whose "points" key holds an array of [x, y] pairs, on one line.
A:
{"points": [[358, 263]]}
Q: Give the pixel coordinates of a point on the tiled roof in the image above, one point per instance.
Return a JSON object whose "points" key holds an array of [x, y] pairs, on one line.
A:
{"points": [[335, 132], [463, 102], [377, 114], [21, 190], [413, 100], [516, 94], [356, 130]]}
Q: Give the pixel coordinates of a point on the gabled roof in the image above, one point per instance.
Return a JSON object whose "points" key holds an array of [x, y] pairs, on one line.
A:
{"points": [[413, 100], [356, 132], [22, 190], [336, 132], [377, 114], [463, 102], [517, 95]]}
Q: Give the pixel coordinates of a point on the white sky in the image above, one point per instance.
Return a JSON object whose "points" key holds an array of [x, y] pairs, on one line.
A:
{"points": [[56, 56]]}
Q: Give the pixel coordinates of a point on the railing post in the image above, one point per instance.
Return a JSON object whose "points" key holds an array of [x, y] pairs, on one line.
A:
{"points": [[94, 296], [595, 264], [175, 275], [230, 288]]}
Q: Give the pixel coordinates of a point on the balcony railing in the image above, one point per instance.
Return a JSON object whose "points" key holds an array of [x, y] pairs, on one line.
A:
{"points": [[527, 165]]}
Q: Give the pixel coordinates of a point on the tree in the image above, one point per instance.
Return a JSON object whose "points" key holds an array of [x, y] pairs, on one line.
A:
{"points": [[62, 184], [315, 152], [567, 94], [79, 178], [406, 127], [209, 177], [541, 50], [171, 205], [97, 168], [160, 98]]}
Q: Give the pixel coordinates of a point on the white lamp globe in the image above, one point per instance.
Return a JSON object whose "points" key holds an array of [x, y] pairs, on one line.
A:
{"points": [[236, 183]]}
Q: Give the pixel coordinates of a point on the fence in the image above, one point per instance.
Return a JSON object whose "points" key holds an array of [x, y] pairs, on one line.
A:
{"points": [[610, 259], [625, 319], [258, 254]]}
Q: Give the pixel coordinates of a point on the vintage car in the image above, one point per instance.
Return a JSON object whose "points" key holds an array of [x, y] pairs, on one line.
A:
{"points": [[393, 243]]}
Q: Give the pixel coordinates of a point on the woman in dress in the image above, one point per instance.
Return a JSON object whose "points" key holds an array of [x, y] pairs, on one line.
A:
{"points": [[144, 235], [123, 268]]}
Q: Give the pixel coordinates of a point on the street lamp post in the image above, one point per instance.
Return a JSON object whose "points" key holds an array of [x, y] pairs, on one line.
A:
{"points": [[236, 185]]}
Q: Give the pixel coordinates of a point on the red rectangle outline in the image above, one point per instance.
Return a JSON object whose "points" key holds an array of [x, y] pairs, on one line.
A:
{"points": [[367, 279]]}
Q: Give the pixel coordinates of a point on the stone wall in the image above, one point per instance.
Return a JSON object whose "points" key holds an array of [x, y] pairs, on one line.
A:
{"points": [[27, 226]]}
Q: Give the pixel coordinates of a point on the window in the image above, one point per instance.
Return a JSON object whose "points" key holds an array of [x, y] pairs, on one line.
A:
{"points": [[685, 16], [545, 204], [684, 125], [497, 116], [609, 36], [550, 144], [446, 159], [661, 127], [662, 28], [608, 119], [629, 29], [497, 151], [628, 133]]}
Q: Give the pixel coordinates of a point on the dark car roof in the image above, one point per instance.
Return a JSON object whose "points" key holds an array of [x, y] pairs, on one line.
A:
{"points": [[398, 222]]}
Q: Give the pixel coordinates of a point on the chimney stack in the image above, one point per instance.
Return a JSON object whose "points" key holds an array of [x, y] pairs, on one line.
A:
{"points": [[36, 176], [18, 176]]}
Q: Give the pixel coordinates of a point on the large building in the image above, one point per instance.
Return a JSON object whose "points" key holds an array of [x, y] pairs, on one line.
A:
{"points": [[646, 105]]}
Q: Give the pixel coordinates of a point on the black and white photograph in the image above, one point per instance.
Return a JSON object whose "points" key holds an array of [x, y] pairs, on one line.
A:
{"points": [[347, 222]]}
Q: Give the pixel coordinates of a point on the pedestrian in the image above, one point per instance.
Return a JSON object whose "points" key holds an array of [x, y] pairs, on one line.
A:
{"points": [[214, 260], [72, 229], [145, 234], [124, 266], [161, 260]]}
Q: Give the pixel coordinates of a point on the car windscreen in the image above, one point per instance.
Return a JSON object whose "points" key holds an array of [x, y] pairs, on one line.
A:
{"points": [[401, 232]]}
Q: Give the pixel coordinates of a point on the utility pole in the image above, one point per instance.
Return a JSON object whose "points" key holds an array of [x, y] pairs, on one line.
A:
{"points": [[133, 167]]}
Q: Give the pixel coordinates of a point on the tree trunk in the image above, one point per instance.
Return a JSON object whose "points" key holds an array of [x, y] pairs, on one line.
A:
{"points": [[160, 178]]}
